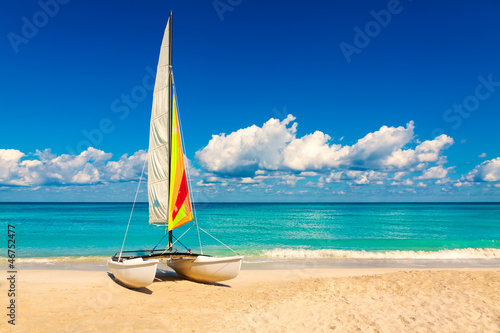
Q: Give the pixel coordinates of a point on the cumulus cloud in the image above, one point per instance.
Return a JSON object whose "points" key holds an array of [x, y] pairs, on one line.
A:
{"points": [[425, 152], [308, 174], [290, 180], [356, 177], [312, 152], [376, 150], [488, 171], [436, 172], [249, 149], [276, 147], [462, 184], [92, 166]]}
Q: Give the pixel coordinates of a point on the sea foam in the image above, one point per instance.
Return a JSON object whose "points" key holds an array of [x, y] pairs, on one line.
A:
{"points": [[468, 253], [51, 260]]}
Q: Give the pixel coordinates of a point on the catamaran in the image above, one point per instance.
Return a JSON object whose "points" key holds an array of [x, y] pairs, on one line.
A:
{"points": [[169, 197]]}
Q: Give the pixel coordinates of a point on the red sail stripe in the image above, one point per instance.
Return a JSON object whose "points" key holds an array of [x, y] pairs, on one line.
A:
{"points": [[183, 193]]}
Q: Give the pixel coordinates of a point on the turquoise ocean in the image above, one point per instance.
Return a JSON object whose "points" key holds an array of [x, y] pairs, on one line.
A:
{"points": [[454, 234]]}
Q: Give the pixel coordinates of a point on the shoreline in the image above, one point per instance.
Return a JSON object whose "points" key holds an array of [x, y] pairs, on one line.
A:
{"points": [[99, 264], [292, 300]]}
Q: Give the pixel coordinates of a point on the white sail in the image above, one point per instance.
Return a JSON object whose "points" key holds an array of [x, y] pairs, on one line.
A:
{"points": [[159, 145]]}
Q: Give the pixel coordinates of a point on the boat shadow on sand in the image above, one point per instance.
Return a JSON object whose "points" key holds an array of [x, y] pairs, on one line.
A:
{"points": [[164, 276]]}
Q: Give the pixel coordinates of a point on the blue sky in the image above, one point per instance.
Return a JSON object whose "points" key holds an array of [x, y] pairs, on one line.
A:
{"points": [[367, 83]]}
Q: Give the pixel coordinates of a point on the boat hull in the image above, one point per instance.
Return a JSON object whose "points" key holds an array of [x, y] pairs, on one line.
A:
{"points": [[206, 268], [134, 273]]}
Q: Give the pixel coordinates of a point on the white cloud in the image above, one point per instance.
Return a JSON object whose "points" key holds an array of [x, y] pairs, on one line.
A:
{"points": [[247, 150], [127, 168], [308, 174], [276, 147], [488, 171], [91, 166], [436, 172], [312, 152], [483, 155], [319, 184], [407, 182], [283, 178], [290, 180], [443, 181], [398, 175], [375, 149], [427, 151], [192, 171], [248, 180], [462, 184], [202, 183], [357, 177]]}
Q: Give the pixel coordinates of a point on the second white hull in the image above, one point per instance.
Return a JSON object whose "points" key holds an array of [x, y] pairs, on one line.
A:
{"points": [[205, 268]]}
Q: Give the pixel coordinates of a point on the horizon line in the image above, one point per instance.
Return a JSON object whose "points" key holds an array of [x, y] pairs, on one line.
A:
{"points": [[259, 202]]}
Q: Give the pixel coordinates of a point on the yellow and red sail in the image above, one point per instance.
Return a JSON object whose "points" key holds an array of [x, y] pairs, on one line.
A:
{"points": [[180, 210]]}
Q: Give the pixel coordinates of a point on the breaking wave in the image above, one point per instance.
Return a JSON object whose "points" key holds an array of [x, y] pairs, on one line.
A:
{"points": [[53, 260], [468, 253]]}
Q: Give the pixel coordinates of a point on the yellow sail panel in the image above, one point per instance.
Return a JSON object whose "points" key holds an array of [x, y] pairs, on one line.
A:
{"points": [[180, 202]]}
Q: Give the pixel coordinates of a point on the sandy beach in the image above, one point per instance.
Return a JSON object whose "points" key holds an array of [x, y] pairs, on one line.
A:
{"points": [[298, 300]]}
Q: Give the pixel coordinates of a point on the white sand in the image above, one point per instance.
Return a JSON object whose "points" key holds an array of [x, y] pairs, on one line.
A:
{"points": [[313, 300]]}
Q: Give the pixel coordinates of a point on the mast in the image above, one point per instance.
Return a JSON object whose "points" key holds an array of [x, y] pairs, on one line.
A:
{"points": [[170, 102]]}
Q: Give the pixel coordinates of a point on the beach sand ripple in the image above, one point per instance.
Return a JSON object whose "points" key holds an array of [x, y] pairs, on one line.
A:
{"points": [[314, 300]]}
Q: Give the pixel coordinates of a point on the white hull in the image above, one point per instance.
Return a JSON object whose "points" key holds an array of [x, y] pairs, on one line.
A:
{"points": [[134, 273], [205, 268]]}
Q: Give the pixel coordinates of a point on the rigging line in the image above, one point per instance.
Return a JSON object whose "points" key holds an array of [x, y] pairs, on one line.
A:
{"points": [[188, 173], [177, 239], [154, 248], [199, 238], [133, 205], [218, 240]]}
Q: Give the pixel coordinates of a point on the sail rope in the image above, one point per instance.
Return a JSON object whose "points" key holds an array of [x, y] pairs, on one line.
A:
{"points": [[188, 173], [189, 184], [133, 205], [177, 240], [154, 248], [199, 238], [217, 240]]}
